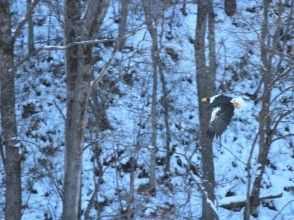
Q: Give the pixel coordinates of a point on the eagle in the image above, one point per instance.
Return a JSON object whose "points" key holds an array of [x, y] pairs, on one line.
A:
{"points": [[222, 110]]}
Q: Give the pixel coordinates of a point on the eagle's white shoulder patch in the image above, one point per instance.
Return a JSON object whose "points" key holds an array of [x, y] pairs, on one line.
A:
{"points": [[213, 97], [214, 113]]}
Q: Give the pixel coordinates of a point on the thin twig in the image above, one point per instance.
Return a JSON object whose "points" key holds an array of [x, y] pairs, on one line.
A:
{"points": [[22, 22], [282, 209], [234, 155], [90, 42], [60, 111]]}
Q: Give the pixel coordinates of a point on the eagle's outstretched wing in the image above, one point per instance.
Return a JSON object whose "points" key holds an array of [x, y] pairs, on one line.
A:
{"points": [[219, 121]]}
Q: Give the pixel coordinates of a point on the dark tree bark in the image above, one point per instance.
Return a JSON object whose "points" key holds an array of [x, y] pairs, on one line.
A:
{"points": [[230, 7], [265, 134], [31, 45], [75, 116], [205, 88], [78, 65], [165, 104], [123, 23], [266, 130], [155, 59], [12, 157]]}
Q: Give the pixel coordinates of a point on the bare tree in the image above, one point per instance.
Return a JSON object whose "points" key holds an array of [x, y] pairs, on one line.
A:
{"points": [[270, 76], [124, 7], [12, 158], [165, 103], [155, 58], [31, 45], [205, 88], [78, 66]]}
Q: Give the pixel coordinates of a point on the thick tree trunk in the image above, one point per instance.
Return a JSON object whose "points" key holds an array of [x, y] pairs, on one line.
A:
{"points": [[77, 87], [78, 65], [12, 161], [206, 88]]}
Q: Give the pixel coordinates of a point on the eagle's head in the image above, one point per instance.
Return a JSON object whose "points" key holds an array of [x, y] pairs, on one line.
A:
{"points": [[222, 100], [238, 102]]}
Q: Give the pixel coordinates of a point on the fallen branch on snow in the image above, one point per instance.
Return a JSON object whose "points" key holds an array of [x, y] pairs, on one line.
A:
{"points": [[236, 206]]}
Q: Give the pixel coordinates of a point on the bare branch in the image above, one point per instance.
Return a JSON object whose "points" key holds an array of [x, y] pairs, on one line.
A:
{"points": [[91, 42], [282, 137], [102, 72], [275, 217], [94, 16], [60, 111], [248, 169], [237, 206], [22, 22], [279, 119], [281, 93]]}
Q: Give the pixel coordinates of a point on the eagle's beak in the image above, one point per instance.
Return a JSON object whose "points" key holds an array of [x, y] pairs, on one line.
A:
{"points": [[204, 100]]}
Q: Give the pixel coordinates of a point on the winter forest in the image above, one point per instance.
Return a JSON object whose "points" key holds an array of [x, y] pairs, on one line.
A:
{"points": [[102, 114]]}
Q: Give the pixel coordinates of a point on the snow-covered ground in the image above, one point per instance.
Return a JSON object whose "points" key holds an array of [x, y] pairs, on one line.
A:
{"points": [[41, 103]]}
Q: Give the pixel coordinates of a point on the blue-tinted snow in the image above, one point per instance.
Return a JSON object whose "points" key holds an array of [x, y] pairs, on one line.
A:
{"points": [[45, 129]]}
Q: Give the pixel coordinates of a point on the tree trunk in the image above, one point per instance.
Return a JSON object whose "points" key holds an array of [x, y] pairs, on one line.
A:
{"points": [[206, 88], [12, 161], [75, 115], [155, 59], [230, 7], [123, 23], [265, 121], [31, 45], [211, 46], [78, 65], [166, 120]]}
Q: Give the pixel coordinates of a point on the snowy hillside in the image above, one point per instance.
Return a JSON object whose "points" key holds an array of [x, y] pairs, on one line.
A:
{"points": [[118, 135]]}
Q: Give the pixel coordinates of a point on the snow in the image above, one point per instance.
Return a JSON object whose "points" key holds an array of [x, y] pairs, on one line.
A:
{"points": [[42, 132], [231, 199]]}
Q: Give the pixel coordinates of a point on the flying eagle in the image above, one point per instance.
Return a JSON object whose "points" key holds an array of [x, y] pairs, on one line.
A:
{"points": [[222, 110]]}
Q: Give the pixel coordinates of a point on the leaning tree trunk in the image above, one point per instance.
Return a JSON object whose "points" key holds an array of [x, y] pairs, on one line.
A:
{"points": [[12, 157], [206, 88]]}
